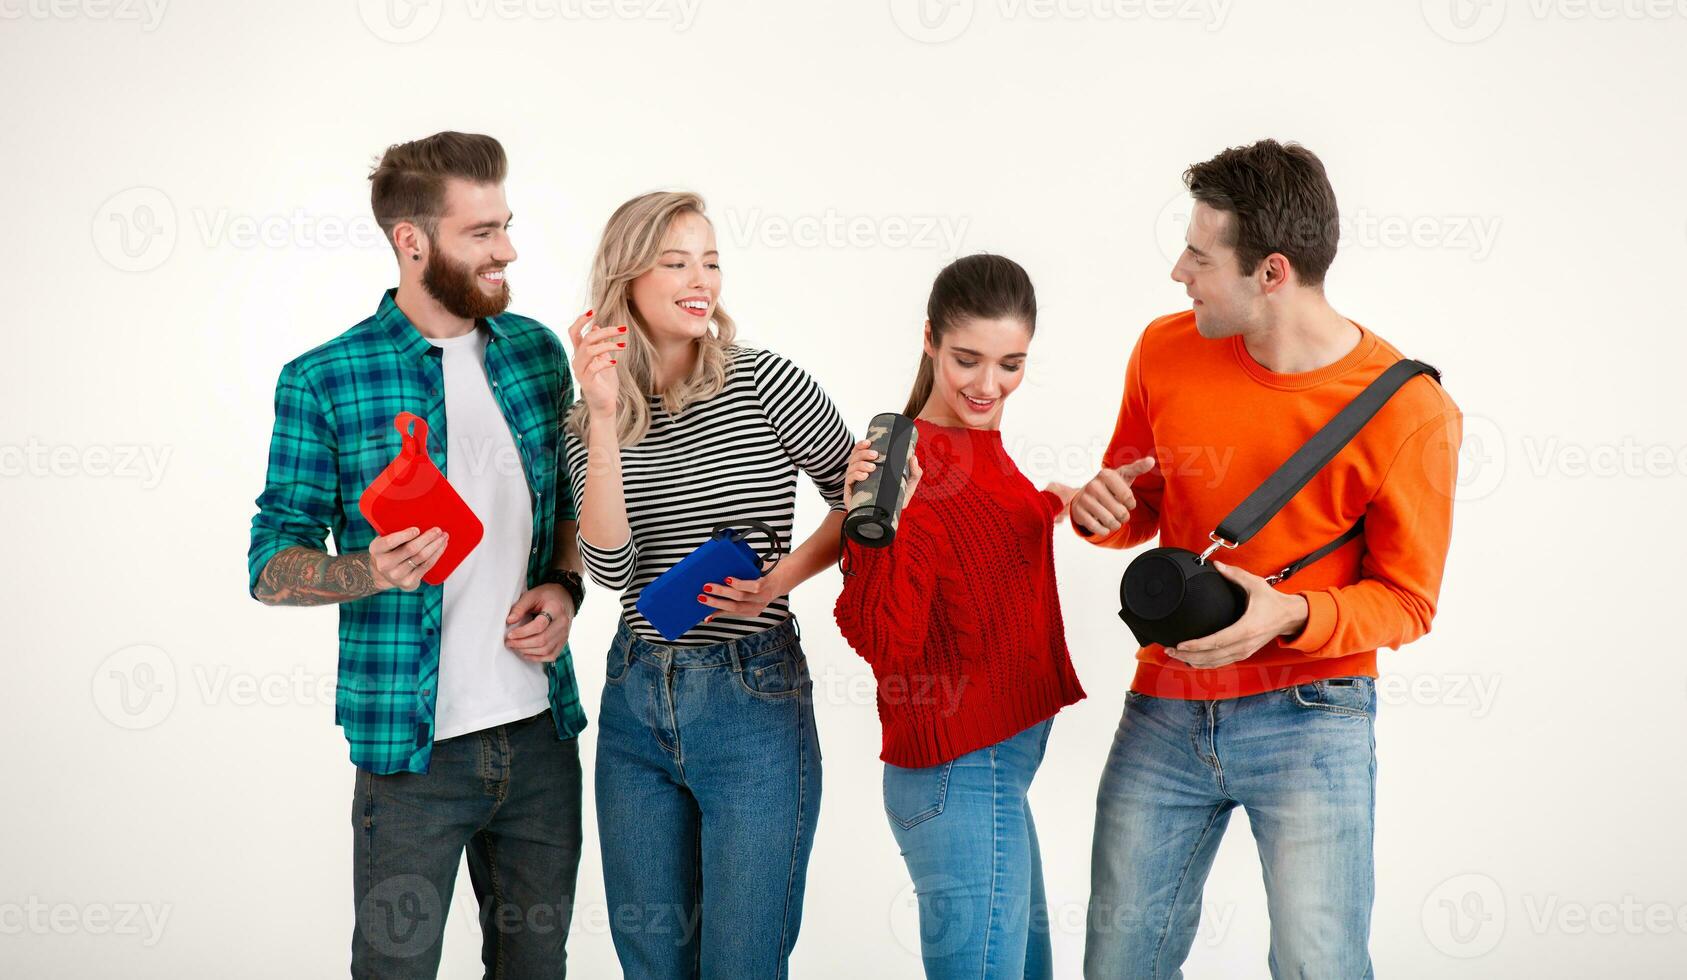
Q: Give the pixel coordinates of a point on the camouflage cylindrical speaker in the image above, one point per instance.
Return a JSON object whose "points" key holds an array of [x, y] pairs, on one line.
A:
{"points": [[877, 501]]}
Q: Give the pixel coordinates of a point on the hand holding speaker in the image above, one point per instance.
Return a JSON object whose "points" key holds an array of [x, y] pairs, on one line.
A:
{"points": [[864, 460]]}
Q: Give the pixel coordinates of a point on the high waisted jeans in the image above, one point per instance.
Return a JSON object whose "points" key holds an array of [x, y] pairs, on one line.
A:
{"points": [[708, 788], [967, 837], [1302, 761]]}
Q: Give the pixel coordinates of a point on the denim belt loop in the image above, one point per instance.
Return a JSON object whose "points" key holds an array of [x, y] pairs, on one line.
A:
{"points": [[732, 654]]}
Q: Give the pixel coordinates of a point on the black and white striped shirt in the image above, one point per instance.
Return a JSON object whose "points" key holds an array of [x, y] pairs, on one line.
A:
{"points": [[731, 458]]}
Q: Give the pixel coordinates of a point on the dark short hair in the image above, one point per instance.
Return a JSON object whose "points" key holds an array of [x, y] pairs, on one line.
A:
{"points": [[409, 182], [1279, 199]]}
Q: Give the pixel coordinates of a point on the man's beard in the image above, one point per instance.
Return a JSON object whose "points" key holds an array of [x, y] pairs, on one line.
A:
{"points": [[457, 288]]}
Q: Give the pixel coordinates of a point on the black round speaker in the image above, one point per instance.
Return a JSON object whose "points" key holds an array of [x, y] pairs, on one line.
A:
{"points": [[1169, 595]]}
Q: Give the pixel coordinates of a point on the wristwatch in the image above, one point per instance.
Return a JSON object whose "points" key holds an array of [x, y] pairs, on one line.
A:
{"points": [[570, 580]]}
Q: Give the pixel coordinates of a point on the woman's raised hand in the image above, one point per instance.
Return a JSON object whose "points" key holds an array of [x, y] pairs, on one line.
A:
{"points": [[597, 349]]}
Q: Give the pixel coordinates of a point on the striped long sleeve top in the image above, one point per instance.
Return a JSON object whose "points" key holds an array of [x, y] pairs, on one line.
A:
{"points": [[733, 457]]}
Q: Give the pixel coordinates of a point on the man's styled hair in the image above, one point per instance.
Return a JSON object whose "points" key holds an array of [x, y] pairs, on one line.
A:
{"points": [[1279, 200], [409, 182]]}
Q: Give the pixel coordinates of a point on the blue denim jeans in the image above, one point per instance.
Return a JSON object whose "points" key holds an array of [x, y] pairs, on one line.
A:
{"points": [[510, 795], [708, 789], [1302, 762], [967, 837]]}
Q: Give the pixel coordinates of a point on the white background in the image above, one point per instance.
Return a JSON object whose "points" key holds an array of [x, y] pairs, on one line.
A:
{"points": [[186, 209]]}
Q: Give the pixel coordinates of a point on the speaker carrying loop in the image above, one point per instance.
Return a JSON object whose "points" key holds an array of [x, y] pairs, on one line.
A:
{"points": [[1217, 542]]}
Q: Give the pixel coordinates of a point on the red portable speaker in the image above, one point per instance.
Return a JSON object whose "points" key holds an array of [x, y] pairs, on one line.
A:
{"points": [[412, 492]]}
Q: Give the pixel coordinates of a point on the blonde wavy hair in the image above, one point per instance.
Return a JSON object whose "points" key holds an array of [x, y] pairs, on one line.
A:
{"points": [[630, 247]]}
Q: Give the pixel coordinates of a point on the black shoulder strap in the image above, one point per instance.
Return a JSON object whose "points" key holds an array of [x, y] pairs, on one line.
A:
{"points": [[1281, 486]]}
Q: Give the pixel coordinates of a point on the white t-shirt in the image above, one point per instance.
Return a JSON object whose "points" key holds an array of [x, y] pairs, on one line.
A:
{"points": [[482, 682]]}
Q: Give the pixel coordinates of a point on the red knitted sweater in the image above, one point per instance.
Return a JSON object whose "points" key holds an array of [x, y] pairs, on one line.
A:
{"points": [[958, 615]]}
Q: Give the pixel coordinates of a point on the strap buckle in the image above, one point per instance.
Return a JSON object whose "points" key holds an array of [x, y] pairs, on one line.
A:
{"points": [[1217, 543], [1280, 576]]}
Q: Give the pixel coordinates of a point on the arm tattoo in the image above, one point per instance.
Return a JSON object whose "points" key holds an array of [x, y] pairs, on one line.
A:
{"points": [[302, 576]]}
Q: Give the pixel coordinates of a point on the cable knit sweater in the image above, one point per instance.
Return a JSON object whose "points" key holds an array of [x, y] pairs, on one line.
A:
{"points": [[959, 616]]}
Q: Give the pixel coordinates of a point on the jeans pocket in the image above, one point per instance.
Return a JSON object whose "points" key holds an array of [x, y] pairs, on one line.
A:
{"points": [[774, 675], [1337, 695], [913, 796], [620, 661]]}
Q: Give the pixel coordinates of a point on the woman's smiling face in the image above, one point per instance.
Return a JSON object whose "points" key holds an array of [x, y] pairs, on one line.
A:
{"points": [[976, 366], [676, 299]]}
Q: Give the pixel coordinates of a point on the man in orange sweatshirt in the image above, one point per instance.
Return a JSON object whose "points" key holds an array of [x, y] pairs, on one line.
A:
{"points": [[1274, 713]]}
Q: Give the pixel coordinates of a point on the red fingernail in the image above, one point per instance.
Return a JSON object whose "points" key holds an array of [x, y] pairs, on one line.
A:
{"points": [[590, 312], [729, 580], [613, 361], [701, 598], [710, 588], [623, 329], [621, 344]]}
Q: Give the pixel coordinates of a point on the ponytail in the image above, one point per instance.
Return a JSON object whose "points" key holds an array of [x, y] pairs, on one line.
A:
{"points": [[922, 388]]}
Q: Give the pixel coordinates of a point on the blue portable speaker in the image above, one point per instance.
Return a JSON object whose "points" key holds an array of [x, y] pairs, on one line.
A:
{"points": [[670, 603]]}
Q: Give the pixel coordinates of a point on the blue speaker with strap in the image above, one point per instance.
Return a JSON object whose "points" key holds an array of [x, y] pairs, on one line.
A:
{"points": [[670, 603]]}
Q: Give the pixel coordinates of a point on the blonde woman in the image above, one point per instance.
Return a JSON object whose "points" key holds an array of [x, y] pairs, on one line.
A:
{"points": [[708, 764]]}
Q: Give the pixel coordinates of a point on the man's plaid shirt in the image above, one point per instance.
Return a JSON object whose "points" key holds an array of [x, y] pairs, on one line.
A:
{"points": [[334, 433]]}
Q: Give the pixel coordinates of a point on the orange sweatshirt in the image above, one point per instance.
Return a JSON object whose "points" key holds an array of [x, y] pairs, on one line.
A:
{"points": [[1217, 424]]}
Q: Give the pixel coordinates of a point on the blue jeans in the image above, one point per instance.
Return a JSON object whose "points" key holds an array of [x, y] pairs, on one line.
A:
{"points": [[510, 794], [1302, 761], [967, 837], [708, 789]]}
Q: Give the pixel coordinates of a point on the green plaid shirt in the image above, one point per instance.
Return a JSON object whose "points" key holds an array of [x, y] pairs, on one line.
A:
{"points": [[334, 410]]}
